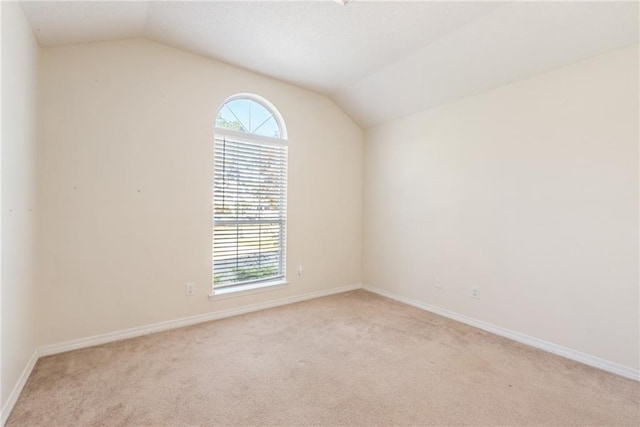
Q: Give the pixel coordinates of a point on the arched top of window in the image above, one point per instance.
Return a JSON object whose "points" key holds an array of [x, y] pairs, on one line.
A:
{"points": [[253, 115]]}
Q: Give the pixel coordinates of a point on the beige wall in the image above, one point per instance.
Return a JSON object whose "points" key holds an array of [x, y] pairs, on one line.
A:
{"points": [[19, 213], [127, 176], [529, 191]]}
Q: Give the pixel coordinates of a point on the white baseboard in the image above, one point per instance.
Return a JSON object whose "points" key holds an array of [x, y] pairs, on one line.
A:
{"points": [[587, 359], [15, 393], [568, 353], [186, 321]]}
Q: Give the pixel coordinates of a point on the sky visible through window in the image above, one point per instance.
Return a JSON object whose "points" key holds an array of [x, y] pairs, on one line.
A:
{"points": [[247, 115]]}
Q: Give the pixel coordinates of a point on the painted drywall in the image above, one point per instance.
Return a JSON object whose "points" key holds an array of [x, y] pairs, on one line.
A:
{"points": [[127, 182], [19, 194], [529, 191]]}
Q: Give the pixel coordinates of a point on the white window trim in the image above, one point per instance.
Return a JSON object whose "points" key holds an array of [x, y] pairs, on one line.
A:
{"points": [[248, 289], [250, 137], [272, 109], [282, 141]]}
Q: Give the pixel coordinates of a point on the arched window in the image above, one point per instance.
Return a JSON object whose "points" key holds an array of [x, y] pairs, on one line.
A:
{"points": [[250, 195], [250, 114]]}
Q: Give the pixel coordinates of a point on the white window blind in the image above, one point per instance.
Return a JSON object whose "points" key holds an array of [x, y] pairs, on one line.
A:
{"points": [[249, 211]]}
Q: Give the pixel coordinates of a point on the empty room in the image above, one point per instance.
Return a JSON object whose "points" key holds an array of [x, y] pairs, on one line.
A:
{"points": [[328, 212]]}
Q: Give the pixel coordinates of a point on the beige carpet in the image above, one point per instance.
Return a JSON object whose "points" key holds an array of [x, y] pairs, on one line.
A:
{"points": [[349, 359]]}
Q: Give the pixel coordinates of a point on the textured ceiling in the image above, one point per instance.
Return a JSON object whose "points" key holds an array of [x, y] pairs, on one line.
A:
{"points": [[513, 42], [377, 60]]}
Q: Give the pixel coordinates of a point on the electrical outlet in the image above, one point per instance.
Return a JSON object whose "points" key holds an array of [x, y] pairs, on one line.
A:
{"points": [[190, 289], [438, 283], [475, 292], [299, 270]]}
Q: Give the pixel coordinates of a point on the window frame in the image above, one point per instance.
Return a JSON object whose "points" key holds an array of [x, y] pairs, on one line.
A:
{"points": [[266, 104], [258, 285]]}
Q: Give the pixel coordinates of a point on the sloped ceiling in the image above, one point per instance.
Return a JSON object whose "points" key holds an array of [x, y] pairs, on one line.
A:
{"points": [[379, 60]]}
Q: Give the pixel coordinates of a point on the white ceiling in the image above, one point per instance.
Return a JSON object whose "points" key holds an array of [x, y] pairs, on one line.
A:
{"points": [[378, 60]]}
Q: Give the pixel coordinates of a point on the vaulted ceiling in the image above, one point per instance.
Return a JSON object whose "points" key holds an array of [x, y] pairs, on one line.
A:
{"points": [[378, 60]]}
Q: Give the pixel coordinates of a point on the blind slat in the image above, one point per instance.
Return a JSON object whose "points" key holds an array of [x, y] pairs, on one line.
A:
{"points": [[249, 212]]}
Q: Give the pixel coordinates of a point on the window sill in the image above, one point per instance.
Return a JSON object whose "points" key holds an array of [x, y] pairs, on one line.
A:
{"points": [[241, 290]]}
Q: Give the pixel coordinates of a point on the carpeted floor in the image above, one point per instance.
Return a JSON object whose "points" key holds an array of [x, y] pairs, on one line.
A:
{"points": [[348, 359]]}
